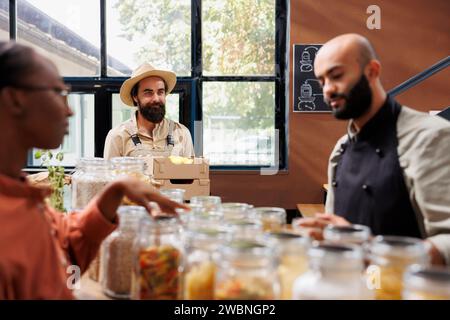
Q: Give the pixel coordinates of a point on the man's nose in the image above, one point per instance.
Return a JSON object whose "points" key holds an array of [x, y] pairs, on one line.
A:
{"points": [[329, 89]]}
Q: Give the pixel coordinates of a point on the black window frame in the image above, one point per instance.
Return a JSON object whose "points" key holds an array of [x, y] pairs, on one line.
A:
{"points": [[189, 88]]}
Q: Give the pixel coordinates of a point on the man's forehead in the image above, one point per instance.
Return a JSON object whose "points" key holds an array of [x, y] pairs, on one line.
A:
{"points": [[332, 58], [152, 81]]}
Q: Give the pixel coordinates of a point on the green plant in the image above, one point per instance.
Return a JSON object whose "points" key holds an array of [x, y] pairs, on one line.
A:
{"points": [[55, 177]]}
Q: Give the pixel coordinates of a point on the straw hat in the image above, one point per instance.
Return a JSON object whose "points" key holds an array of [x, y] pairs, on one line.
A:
{"points": [[145, 70]]}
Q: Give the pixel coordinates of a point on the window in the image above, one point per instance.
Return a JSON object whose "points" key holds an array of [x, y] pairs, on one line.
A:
{"points": [[4, 20], [230, 58], [158, 32]]}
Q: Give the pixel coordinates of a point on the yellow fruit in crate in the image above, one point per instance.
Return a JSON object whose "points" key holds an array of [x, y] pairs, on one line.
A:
{"points": [[180, 160]]}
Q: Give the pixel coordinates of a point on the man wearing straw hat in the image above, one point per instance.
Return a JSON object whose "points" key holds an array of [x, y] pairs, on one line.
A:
{"points": [[148, 132]]}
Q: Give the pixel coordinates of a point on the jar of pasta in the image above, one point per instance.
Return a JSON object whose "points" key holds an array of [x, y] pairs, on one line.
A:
{"points": [[244, 228], [426, 283], [272, 219], [90, 177], [336, 272], [292, 258], [201, 245], [390, 256], [159, 260], [246, 270], [117, 257]]}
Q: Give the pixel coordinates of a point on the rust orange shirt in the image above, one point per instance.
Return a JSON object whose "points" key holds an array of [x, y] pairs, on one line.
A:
{"points": [[38, 244]]}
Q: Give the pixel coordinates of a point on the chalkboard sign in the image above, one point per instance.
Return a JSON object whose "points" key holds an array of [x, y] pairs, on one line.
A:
{"points": [[308, 96]]}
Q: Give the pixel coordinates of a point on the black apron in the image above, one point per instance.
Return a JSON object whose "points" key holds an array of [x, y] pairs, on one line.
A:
{"points": [[369, 185]]}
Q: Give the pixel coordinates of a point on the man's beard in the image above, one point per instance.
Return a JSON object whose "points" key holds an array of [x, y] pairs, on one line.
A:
{"points": [[356, 103], [152, 112]]}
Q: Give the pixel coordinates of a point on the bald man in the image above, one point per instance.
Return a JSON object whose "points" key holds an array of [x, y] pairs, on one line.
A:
{"points": [[37, 244], [391, 170]]}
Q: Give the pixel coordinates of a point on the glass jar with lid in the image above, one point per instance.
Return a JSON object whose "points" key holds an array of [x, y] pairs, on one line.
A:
{"points": [[391, 256], [117, 257], [89, 179], [208, 202], [351, 234], [272, 218], [244, 228], [292, 258], [335, 273], [236, 210], [426, 283], [160, 260], [174, 194], [200, 216], [246, 270], [201, 245]]}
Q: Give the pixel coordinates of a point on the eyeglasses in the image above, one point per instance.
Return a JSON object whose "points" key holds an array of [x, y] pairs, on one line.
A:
{"points": [[63, 92]]}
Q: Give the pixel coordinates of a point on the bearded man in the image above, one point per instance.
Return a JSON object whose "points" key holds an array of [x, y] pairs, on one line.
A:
{"points": [[148, 132]]}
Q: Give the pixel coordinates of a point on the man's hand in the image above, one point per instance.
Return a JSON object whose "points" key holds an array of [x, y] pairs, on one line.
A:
{"points": [[436, 257], [313, 226], [137, 191]]}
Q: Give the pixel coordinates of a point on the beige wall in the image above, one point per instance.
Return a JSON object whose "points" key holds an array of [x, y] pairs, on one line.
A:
{"points": [[414, 35]]}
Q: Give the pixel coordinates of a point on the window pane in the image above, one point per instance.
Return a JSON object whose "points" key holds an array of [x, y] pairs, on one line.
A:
{"points": [[67, 32], [80, 141], [239, 123], [238, 37], [4, 20], [122, 112], [158, 32]]}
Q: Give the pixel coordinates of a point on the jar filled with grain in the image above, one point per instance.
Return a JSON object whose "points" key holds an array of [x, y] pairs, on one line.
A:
{"points": [[117, 253], [88, 180], [159, 260], [272, 218]]}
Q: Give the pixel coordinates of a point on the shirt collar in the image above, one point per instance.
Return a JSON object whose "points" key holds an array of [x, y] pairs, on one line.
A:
{"points": [[21, 188]]}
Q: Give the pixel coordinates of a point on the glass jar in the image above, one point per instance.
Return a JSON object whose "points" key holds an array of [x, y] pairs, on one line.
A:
{"points": [[335, 273], [272, 219], [159, 264], [391, 256], [352, 234], [246, 270], [208, 202], [176, 195], [292, 258], [117, 257], [201, 244], [244, 229], [426, 283], [89, 179], [200, 216], [129, 167], [236, 210]]}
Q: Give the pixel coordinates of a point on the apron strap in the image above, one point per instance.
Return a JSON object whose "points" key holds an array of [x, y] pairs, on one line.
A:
{"points": [[170, 141]]}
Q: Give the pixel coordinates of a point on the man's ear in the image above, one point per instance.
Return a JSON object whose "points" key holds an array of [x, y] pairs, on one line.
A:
{"points": [[373, 69], [135, 100]]}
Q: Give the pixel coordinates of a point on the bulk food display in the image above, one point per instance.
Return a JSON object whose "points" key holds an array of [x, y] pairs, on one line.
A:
{"points": [[232, 251]]}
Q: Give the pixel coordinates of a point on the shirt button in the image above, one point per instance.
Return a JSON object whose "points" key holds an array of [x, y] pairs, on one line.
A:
{"points": [[334, 183], [378, 152], [365, 187]]}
